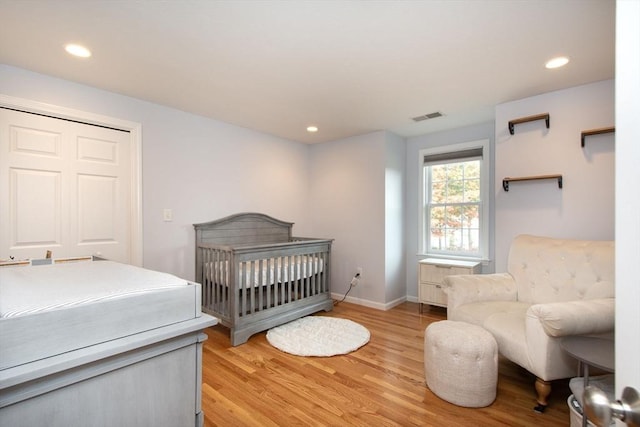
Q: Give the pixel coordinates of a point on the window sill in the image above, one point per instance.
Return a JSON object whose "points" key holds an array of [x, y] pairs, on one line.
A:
{"points": [[484, 261]]}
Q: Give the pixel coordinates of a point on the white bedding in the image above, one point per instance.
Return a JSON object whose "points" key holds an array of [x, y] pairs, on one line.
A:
{"points": [[27, 290], [268, 271]]}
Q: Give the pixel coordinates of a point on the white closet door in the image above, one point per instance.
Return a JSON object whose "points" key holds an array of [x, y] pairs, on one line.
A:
{"points": [[64, 187]]}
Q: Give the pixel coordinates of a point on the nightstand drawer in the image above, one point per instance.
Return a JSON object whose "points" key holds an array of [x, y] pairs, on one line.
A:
{"points": [[435, 273], [431, 273], [433, 294]]}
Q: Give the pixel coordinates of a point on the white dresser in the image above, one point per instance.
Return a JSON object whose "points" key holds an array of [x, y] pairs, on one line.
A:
{"points": [[431, 272]]}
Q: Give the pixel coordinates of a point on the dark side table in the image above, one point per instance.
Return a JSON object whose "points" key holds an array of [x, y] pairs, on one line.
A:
{"points": [[589, 351]]}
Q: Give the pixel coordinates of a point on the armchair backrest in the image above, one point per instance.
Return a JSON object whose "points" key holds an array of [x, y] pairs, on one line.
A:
{"points": [[554, 270]]}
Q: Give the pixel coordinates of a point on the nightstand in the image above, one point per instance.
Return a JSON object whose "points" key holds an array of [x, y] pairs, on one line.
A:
{"points": [[431, 272]]}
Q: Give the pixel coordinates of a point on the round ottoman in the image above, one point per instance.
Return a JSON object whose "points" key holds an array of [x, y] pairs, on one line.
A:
{"points": [[461, 363]]}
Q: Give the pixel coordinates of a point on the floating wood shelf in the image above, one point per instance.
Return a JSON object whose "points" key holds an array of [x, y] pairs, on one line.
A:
{"points": [[506, 181], [512, 123], [599, 131]]}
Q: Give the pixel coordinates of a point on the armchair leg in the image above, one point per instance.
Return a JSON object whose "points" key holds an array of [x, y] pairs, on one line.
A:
{"points": [[543, 389]]}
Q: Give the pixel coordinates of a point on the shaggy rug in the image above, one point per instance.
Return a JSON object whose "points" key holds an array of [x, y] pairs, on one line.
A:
{"points": [[318, 336]]}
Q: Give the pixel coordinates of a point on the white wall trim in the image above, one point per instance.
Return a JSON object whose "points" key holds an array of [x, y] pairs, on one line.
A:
{"points": [[134, 129], [369, 303]]}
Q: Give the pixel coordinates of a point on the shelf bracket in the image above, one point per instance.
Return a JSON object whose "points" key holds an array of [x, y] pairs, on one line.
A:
{"points": [[506, 181], [544, 117], [599, 131]]}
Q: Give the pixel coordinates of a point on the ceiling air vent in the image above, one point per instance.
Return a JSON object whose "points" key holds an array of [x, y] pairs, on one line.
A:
{"points": [[427, 116]]}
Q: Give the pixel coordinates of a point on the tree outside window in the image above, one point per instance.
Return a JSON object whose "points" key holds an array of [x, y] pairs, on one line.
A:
{"points": [[453, 207]]}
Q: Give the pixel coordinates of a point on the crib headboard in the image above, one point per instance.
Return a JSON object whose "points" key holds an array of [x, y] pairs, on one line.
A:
{"points": [[248, 228]]}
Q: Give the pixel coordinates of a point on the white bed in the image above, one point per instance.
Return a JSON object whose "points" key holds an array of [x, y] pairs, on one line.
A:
{"points": [[99, 343]]}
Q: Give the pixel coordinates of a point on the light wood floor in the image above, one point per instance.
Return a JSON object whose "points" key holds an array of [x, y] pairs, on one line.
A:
{"points": [[381, 384]]}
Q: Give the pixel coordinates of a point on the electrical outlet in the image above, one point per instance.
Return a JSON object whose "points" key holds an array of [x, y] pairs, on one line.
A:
{"points": [[167, 215], [357, 277]]}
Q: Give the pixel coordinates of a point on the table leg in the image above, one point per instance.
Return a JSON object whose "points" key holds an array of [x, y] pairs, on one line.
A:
{"points": [[585, 379]]}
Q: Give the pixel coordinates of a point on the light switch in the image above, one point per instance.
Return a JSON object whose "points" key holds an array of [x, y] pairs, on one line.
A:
{"points": [[167, 215]]}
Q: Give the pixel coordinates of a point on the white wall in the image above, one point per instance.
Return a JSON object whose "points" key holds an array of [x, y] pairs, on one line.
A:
{"points": [[348, 204], [413, 188], [584, 208], [203, 169], [359, 200], [395, 181]]}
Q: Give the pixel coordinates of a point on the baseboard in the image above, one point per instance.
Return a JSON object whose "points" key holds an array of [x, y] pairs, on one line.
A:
{"points": [[369, 303]]}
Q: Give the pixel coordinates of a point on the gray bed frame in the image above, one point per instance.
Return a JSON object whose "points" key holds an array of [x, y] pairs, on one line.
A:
{"points": [[255, 275], [129, 361]]}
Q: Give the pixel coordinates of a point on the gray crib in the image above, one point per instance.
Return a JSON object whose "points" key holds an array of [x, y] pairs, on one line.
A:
{"points": [[255, 275]]}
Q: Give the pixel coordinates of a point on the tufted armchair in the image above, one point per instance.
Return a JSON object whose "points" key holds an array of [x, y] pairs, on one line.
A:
{"points": [[552, 288]]}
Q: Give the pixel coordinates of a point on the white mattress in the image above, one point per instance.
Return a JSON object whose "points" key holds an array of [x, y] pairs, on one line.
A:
{"points": [[50, 310], [268, 271], [28, 290]]}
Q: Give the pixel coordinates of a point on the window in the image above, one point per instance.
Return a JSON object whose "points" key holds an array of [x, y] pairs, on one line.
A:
{"points": [[454, 220]]}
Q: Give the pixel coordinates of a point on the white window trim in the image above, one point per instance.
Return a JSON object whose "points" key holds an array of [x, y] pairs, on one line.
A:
{"points": [[484, 194]]}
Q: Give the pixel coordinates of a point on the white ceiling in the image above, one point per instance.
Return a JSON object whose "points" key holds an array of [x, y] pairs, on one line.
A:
{"points": [[349, 67]]}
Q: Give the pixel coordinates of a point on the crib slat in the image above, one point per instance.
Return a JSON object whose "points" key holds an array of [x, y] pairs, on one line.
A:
{"points": [[216, 293], [308, 275], [204, 256], [224, 273], [213, 291], [286, 288], [263, 282], [222, 276], [319, 272], [280, 265], [296, 277], [242, 278], [313, 260], [325, 273], [271, 270], [249, 286]]}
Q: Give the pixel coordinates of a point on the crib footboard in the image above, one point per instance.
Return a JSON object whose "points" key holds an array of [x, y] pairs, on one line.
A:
{"points": [[254, 288]]}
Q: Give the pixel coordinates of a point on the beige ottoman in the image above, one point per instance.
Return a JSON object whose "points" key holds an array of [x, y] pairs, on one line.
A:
{"points": [[461, 363]]}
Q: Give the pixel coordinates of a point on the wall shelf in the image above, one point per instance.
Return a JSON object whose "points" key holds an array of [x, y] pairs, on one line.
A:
{"points": [[512, 123], [506, 181], [599, 131]]}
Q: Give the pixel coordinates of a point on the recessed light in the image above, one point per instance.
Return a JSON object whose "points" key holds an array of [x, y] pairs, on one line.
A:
{"points": [[77, 50], [557, 62], [312, 129]]}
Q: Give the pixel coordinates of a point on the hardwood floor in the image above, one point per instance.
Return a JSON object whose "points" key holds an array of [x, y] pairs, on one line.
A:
{"points": [[381, 384]]}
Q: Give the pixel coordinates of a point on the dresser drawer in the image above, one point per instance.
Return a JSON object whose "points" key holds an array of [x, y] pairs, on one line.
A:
{"points": [[431, 273], [433, 294], [435, 273]]}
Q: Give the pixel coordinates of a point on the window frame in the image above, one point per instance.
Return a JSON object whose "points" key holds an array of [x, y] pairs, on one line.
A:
{"points": [[485, 166]]}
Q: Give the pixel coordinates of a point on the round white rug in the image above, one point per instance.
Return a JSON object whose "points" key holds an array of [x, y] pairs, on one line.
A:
{"points": [[318, 336]]}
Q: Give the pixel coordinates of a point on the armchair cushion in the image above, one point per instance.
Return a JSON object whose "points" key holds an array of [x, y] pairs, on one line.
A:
{"points": [[475, 288], [586, 317], [479, 313]]}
